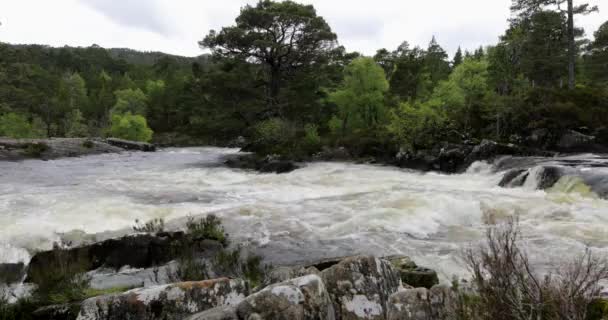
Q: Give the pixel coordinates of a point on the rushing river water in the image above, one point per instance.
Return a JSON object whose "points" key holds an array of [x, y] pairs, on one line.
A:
{"points": [[322, 210]]}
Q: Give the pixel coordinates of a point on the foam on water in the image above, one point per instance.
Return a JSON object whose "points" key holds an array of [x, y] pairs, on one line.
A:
{"points": [[322, 210]]}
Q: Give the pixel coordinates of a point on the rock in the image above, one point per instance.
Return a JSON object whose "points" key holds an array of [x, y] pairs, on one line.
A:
{"points": [[268, 164], [514, 178], [413, 275], [281, 274], [452, 158], [239, 142], [333, 154], [175, 301], [131, 145], [548, 176], [11, 272], [423, 160], [574, 141], [20, 149], [421, 304], [278, 166], [360, 286], [136, 251], [58, 312], [219, 313], [304, 298]]}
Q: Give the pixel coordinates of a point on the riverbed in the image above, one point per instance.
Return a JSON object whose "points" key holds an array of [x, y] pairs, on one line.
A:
{"points": [[322, 210]]}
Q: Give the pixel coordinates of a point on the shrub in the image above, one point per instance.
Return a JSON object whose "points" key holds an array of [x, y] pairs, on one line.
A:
{"points": [[189, 267], [23, 309], [311, 141], [88, 144], [75, 126], [509, 288], [235, 263], [62, 280], [273, 136], [16, 126], [152, 226], [209, 227], [35, 150], [130, 127]]}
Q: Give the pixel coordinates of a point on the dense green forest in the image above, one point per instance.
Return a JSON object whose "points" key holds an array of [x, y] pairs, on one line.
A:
{"points": [[279, 77]]}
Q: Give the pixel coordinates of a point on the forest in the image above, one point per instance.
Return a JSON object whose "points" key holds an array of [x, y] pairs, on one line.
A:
{"points": [[279, 77]]}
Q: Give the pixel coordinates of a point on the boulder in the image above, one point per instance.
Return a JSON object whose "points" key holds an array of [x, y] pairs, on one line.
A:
{"points": [[239, 142], [304, 298], [281, 274], [131, 145], [548, 176], [333, 154], [421, 304], [423, 160], [136, 251], [412, 274], [514, 178], [268, 164], [11, 272], [58, 312], [175, 301], [574, 141], [452, 158], [218, 313], [360, 286]]}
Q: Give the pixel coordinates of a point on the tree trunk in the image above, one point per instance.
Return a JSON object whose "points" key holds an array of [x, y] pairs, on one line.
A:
{"points": [[571, 47], [274, 89]]}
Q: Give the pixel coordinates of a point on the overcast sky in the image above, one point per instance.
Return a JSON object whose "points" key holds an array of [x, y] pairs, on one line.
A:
{"points": [[175, 26]]}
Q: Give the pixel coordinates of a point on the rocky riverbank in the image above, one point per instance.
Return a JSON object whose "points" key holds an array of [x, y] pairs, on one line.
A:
{"points": [[358, 287], [55, 148]]}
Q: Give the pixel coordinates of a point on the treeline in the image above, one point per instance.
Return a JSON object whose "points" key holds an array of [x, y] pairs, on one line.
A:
{"points": [[278, 77]]}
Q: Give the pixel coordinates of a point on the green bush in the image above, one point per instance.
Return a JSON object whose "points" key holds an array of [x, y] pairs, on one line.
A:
{"points": [[62, 279], [274, 136], [209, 227], [23, 309], [234, 263], [16, 126], [35, 150], [152, 226], [130, 127], [311, 141]]}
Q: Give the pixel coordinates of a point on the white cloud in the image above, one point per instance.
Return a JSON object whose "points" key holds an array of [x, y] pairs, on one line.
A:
{"points": [[175, 26]]}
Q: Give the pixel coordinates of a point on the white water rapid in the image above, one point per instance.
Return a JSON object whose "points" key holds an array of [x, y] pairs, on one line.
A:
{"points": [[322, 210]]}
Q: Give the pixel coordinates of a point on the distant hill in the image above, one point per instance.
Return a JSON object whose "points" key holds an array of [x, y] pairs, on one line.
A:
{"points": [[151, 57]]}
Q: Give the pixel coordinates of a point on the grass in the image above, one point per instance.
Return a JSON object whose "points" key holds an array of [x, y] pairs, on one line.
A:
{"points": [[235, 263], [152, 226], [209, 227], [90, 292]]}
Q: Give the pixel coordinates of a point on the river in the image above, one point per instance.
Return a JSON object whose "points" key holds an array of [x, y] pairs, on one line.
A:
{"points": [[322, 210]]}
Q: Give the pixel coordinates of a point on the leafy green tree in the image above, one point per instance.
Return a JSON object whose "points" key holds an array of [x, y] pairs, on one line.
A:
{"points": [[75, 126], [282, 36], [16, 126], [360, 100], [74, 94], [130, 100], [417, 125], [464, 94], [596, 59], [131, 127]]}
